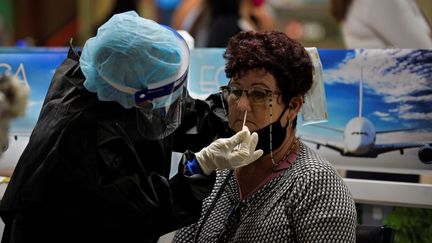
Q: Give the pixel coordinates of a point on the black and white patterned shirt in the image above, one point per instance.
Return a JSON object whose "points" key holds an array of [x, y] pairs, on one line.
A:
{"points": [[307, 203]]}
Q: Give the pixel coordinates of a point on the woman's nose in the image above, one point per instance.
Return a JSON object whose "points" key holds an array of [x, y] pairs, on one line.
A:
{"points": [[243, 103]]}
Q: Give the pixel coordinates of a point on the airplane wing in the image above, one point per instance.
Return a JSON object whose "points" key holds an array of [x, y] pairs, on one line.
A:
{"points": [[335, 145], [388, 147], [397, 130], [329, 128]]}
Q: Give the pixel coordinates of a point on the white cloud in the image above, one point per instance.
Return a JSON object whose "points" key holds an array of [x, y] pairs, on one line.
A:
{"points": [[423, 98], [405, 108], [388, 119], [405, 112], [384, 116], [32, 103], [381, 114], [416, 116]]}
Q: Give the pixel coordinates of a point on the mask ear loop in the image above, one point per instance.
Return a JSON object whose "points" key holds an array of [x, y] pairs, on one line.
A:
{"points": [[271, 131]]}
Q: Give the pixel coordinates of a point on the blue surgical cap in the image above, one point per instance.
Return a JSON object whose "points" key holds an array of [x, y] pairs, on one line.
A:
{"points": [[129, 54]]}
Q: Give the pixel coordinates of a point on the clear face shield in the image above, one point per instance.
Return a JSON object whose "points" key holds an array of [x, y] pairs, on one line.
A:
{"points": [[160, 110], [160, 106]]}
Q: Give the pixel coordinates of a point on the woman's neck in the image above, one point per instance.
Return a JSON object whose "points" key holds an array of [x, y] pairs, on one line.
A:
{"points": [[250, 176], [265, 162]]}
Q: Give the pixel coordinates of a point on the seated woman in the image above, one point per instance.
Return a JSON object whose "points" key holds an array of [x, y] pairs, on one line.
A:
{"points": [[291, 193]]}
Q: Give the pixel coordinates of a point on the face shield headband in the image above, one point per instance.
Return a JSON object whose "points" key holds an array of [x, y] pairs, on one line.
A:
{"points": [[145, 95], [159, 109]]}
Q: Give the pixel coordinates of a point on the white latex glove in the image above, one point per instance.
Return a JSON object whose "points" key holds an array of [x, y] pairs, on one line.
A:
{"points": [[224, 153]]}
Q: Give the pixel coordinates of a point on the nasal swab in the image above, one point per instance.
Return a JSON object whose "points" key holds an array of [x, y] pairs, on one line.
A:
{"points": [[244, 119], [244, 122]]}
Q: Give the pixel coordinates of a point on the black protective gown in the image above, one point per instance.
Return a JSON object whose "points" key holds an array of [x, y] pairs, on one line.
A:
{"points": [[87, 176]]}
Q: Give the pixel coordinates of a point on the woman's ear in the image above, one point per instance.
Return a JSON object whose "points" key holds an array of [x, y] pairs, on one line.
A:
{"points": [[293, 109], [295, 106]]}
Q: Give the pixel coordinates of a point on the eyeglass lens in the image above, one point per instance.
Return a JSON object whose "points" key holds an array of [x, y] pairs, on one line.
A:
{"points": [[255, 95]]}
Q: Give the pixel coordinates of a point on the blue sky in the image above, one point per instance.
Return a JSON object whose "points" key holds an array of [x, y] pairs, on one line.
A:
{"points": [[397, 86]]}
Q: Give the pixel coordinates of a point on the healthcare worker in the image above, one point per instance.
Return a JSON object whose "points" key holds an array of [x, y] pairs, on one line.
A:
{"points": [[96, 166]]}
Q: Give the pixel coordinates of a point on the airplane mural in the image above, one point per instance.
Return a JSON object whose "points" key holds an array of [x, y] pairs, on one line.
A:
{"points": [[359, 138], [395, 115], [386, 124]]}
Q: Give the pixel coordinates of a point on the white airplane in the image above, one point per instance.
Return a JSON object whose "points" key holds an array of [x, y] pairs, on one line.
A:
{"points": [[359, 139]]}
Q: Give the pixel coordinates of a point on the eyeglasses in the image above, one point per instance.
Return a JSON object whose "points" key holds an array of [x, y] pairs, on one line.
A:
{"points": [[231, 224], [255, 95]]}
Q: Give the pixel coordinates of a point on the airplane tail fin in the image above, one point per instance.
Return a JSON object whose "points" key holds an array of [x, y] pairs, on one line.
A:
{"points": [[361, 93]]}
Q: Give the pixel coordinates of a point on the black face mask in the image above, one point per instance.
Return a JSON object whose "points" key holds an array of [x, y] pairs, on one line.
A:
{"points": [[277, 134]]}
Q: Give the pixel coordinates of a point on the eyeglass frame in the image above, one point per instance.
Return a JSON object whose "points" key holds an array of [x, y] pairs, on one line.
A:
{"points": [[268, 93]]}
